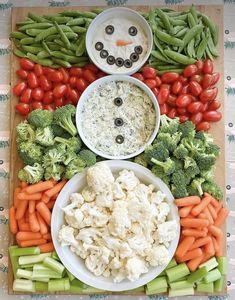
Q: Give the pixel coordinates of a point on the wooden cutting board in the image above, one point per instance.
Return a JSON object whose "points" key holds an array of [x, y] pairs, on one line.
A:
{"points": [[217, 131]]}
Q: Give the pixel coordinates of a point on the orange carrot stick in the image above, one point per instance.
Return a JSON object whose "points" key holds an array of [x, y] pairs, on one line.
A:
{"points": [[200, 242], [47, 236], [12, 220], [193, 232], [29, 243], [218, 208], [215, 231], [212, 211], [26, 215], [188, 201], [184, 211], [33, 222], [45, 198], [50, 204], [55, 197], [53, 181], [208, 214], [21, 209], [205, 229], [219, 251], [187, 222], [202, 216], [215, 244], [32, 205], [194, 263], [26, 235], [44, 212], [42, 224], [191, 255], [48, 247], [56, 189], [221, 217], [214, 202], [199, 208], [25, 196], [24, 184], [206, 257], [15, 197], [24, 227], [39, 187], [209, 248], [184, 246]]}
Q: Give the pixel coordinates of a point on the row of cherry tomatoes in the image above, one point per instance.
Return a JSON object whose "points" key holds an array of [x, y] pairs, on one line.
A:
{"points": [[47, 88], [190, 96]]}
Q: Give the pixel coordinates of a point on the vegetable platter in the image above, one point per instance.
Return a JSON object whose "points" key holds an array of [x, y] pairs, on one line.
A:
{"points": [[217, 131]]}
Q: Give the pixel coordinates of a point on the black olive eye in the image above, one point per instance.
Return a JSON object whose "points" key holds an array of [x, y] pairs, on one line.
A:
{"points": [[99, 46], [127, 63], [110, 60], [118, 121], [118, 101], [109, 29], [134, 57], [104, 53], [138, 49], [132, 30], [119, 139], [119, 62]]}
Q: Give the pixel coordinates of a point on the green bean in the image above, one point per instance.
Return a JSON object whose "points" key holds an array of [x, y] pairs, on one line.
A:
{"points": [[88, 14], [81, 64], [167, 9], [190, 48], [179, 58], [211, 46], [27, 41], [97, 10], [52, 30], [168, 39], [63, 37], [68, 58], [54, 47], [208, 53], [165, 20], [169, 67], [19, 53], [60, 19], [45, 46], [194, 13], [152, 18], [190, 34], [216, 36], [207, 21], [177, 22], [67, 51], [81, 47], [191, 21], [34, 32], [77, 13], [24, 22], [78, 29], [61, 62], [18, 35], [43, 54], [55, 66], [202, 47], [183, 17], [174, 13], [157, 43], [77, 21], [157, 54], [36, 18], [32, 49], [70, 35], [179, 71], [88, 22], [44, 62], [36, 26]]}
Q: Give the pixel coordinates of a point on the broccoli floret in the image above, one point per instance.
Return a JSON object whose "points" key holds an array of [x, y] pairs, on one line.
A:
{"points": [[169, 141], [189, 162], [169, 125], [181, 152], [69, 156], [63, 116], [25, 131], [157, 151], [197, 184], [54, 171], [30, 152], [187, 129], [204, 137], [179, 191], [193, 145], [88, 157], [53, 156], [40, 118], [44, 136], [205, 161], [179, 165], [73, 144], [192, 171], [192, 191], [75, 166], [140, 159], [158, 172], [31, 174], [179, 178], [208, 175], [213, 189], [212, 149], [59, 131], [168, 166]]}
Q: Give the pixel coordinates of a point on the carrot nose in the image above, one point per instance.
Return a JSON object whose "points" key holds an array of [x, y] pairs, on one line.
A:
{"points": [[121, 43]]}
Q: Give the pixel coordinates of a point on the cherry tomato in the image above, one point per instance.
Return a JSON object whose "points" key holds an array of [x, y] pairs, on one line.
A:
{"points": [[216, 77], [55, 76], [36, 105], [37, 94], [26, 64], [22, 108], [183, 100], [44, 83], [207, 81], [155, 90], [208, 67], [151, 83], [47, 70], [165, 86], [50, 107], [26, 96], [185, 89], [176, 87], [22, 73], [48, 97], [195, 88], [59, 90], [65, 74], [89, 75], [68, 101], [73, 81], [182, 111], [183, 80], [172, 113], [101, 74], [19, 88], [163, 95], [197, 78], [214, 105], [195, 107], [209, 94], [199, 65], [59, 102], [158, 81], [38, 70], [183, 118], [138, 76], [32, 80], [164, 109], [196, 118], [92, 68], [81, 84], [149, 72], [190, 70], [74, 96], [75, 71], [212, 116], [171, 101], [205, 126], [204, 106], [170, 77]]}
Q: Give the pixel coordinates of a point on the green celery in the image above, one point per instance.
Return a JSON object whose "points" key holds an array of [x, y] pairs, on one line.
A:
{"points": [[26, 274], [156, 291], [55, 255], [33, 259], [210, 264], [205, 287], [53, 265], [171, 264], [77, 283], [26, 251], [56, 285], [70, 275], [41, 279], [213, 275], [41, 286], [179, 279], [180, 285], [219, 284], [182, 292], [177, 272], [27, 266], [197, 275], [157, 283], [40, 271], [14, 260], [23, 285], [222, 265], [75, 289]]}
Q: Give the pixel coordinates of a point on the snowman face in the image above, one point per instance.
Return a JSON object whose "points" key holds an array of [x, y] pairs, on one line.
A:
{"points": [[119, 44]]}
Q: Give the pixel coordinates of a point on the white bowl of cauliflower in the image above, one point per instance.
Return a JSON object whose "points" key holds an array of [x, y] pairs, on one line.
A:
{"points": [[115, 226]]}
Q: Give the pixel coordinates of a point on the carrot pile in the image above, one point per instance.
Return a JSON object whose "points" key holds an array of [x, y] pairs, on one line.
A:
{"points": [[30, 215], [201, 235]]}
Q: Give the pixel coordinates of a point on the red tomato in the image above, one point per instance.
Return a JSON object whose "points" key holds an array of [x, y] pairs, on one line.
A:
{"points": [[190, 70], [36, 105], [176, 88], [182, 111], [67, 101], [38, 70], [59, 91], [185, 89], [26, 64], [214, 105], [170, 77], [163, 95], [155, 90], [47, 70], [75, 71], [165, 86], [92, 68], [183, 118], [22, 108], [171, 100], [195, 107], [164, 109], [149, 72], [195, 88], [183, 80], [26, 96], [65, 74], [199, 65], [207, 81], [55, 76], [183, 100], [196, 118], [158, 81], [204, 106], [151, 83], [22, 74], [38, 94], [172, 113], [48, 97], [19, 88], [73, 81], [216, 77], [50, 107], [197, 78], [32, 80], [212, 116], [101, 74], [81, 84], [138, 76], [205, 126], [208, 67], [89, 75], [59, 102], [44, 83], [74, 96], [208, 95]]}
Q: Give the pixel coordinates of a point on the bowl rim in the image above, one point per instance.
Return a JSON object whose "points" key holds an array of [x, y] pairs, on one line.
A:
{"points": [[100, 82], [87, 277], [96, 21]]}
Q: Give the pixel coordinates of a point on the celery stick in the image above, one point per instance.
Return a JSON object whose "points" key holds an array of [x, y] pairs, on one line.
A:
{"points": [[213, 275], [157, 283], [77, 283], [41, 279], [75, 289], [56, 285], [70, 275], [171, 264], [27, 266], [210, 264], [23, 285], [53, 265], [26, 274], [223, 265], [156, 291], [55, 255], [179, 279], [219, 284], [205, 287], [26, 251], [33, 259], [14, 260], [183, 284], [197, 275], [182, 292], [41, 286], [177, 272], [40, 271]]}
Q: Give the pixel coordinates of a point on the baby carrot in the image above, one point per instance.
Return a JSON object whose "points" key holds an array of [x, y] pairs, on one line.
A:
{"points": [[187, 222], [209, 248], [21, 209], [25, 196], [54, 197], [48, 247], [15, 197], [39, 187], [56, 189], [50, 204], [23, 184], [24, 227], [44, 212], [215, 231], [208, 214], [215, 244], [188, 201], [214, 202], [221, 217], [219, 251], [45, 198], [42, 224], [30, 243], [25, 235], [33, 222], [202, 216], [193, 232], [205, 258], [184, 246], [26, 215], [198, 208], [218, 208], [47, 236], [191, 255], [53, 181], [184, 211], [12, 220], [200, 242], [194, 263], [32, 205], [212, 211]]}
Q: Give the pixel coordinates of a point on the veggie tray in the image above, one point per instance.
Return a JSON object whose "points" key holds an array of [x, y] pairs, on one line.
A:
{"points": [[31, 231]]}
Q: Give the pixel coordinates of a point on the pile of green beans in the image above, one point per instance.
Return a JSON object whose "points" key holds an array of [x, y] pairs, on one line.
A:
{"points": [[54, 40], [181, 38]]}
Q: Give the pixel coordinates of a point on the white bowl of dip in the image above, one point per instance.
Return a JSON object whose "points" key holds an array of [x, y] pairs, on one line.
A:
{"points": [[98, 114], [112, 28]]}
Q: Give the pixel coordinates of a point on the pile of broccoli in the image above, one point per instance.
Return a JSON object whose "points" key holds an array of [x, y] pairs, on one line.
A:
{"points": [[183, 158], [49, 145]]}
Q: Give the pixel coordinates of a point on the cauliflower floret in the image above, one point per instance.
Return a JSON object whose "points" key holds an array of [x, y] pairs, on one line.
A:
{"points": [[105, 199], [106, 273], [77, 198], [115, 263], [135, 266], [88, 235], [127, 180], [139, 244], [125, 250], [94, 264], [163, 210], [157, 197], [143, 192], [167, 231], [99, 177], [118, 274], [79, 250], [66, 236], [74, 218], [118, 192], [88, 194], [157, 256]]}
